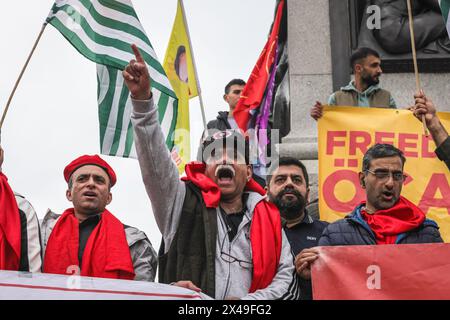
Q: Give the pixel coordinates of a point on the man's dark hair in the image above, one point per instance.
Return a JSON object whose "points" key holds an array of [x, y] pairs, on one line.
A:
{"points": [[362, 53], [233, 82], [378, 151], [287, 161]]}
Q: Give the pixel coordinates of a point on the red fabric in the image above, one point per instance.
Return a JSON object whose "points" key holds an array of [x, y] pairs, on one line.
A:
{"points": [[265, 231], [253, 91], [412, 272], [10, 230], [106, 254], [86, 160], [210, 191], [388, 224]]}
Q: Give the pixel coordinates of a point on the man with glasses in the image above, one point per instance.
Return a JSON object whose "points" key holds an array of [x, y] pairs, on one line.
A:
{"points": [[219, 233], [385, 217]]}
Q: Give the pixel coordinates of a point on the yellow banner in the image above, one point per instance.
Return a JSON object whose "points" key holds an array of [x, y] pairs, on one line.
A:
{"points": [[346, 133], [179, 68]]}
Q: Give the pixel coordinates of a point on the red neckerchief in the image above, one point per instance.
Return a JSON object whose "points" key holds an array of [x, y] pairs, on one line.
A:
{"points": [[10, 230], [106, 254], [265, 230], [388, 224]]}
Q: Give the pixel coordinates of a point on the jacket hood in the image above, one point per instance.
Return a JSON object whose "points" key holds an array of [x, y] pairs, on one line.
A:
{"points": [[369, 91]]}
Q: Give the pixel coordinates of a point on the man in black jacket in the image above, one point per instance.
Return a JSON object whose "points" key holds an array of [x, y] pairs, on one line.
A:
{"points": [[288, 188], [385, 217], [232, 94]]}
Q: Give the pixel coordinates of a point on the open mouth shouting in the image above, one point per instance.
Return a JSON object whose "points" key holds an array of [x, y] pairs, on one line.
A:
{"points": [[90, 194], [225, 174], [387, 196]]}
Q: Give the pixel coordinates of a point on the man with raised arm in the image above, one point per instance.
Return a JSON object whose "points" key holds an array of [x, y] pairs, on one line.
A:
{"points": [[220, 235]]}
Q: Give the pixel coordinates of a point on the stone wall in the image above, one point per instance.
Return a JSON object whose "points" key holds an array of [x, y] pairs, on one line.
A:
{"points": [[310, 68]]}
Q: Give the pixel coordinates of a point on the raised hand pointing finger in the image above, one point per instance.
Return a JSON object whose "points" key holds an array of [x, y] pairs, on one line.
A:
{"points": [[136, 76]]}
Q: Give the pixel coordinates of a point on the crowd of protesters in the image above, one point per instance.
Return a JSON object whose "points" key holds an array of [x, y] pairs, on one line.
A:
{"points": [[225, 231]]}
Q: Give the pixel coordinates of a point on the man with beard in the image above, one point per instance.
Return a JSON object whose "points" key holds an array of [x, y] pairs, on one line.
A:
{"points": [[364, 90], [385, 217], [87, 239], [219, 234], [288, 189]]}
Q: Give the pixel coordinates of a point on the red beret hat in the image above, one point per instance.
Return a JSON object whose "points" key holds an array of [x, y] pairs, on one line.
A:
{"points": [[89, 160]]}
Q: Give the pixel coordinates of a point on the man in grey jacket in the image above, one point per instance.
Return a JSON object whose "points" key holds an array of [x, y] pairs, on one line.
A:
{"points": [[219, 233]]}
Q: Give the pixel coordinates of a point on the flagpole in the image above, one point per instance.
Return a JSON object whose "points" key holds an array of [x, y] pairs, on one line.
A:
{"points": [[195, 66], [21, 74], [414, 53]]}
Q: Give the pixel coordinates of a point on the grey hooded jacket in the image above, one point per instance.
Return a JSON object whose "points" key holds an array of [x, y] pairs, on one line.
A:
{"points": [[142, 253], [167, 192]]}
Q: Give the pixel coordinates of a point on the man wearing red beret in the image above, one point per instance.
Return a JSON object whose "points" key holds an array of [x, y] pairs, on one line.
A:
{"points": [[88, 239]]}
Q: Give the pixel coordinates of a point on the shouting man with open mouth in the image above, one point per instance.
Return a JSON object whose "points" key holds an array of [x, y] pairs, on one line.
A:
{"points": [[220, 236]]}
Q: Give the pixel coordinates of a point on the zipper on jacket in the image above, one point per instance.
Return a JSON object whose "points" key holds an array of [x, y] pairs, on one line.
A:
{"points": [[230, 244]]}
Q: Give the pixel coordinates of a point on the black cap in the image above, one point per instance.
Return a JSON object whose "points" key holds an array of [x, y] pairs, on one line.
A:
{"points": [[225, 139]]}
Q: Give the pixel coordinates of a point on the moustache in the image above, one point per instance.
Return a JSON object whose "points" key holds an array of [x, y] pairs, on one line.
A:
{"points": [[225, 170], [291, 191]]}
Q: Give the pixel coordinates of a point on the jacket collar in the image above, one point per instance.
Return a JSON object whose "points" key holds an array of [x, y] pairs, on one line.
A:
{"points": [[356, 217]]}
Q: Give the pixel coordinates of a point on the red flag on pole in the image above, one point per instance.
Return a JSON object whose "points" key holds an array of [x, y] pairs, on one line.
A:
{"points": [[382, 272], [10, 235], [254, 90]]}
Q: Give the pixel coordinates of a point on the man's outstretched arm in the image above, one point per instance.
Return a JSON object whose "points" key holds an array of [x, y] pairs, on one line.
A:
{"points": [[159, 173]]}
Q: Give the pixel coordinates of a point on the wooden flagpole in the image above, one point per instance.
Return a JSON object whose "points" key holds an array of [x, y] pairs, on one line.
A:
{"points": [[195, 66], [416, 69], [21, 74]]}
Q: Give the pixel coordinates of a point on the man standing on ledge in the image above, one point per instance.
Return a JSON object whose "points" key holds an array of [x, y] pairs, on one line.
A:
{"points": [[364, 90], [219, 234]]}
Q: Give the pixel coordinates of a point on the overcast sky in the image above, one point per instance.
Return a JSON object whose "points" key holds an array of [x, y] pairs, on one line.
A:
{"points": [[53, 117]]}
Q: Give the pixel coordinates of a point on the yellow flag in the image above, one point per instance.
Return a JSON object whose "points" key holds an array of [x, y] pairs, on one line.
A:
{"points": [[179, 67]]}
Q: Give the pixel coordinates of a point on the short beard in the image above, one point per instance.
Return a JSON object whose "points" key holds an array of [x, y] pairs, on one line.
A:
{"points": [[370, 81], [289, 210]]}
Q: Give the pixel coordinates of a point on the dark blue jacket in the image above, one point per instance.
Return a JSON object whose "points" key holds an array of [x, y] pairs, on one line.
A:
{"points": [[353, 230]]}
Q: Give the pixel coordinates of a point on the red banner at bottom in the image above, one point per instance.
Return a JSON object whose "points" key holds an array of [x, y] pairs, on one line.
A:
{"points": [[382, 272]]}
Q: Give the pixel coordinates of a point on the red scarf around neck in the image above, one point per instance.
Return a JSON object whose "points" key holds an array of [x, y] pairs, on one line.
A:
{"points": [[388, 224], [265, 231], [10, 230], [106, 254]]}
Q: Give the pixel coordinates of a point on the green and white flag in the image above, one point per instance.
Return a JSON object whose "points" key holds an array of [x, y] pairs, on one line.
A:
{"points": [[103, 31], [445, 9]]}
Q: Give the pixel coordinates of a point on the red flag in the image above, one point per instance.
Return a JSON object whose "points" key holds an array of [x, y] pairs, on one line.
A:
{"points": [[382, 272], [10, 235], [253, 92]]}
